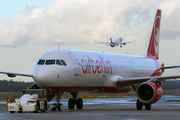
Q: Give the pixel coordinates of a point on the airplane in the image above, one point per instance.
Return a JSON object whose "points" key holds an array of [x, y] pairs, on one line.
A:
{"points": [[117, 42], [75, 71]]}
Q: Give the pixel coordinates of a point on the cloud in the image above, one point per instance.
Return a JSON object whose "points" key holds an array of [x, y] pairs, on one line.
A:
{"points": [[75, 22], [170, 28]]}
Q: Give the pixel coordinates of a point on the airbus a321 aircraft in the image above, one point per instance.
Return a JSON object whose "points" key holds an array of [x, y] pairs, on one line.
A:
{"points": [[117, 42], [75, 71]]}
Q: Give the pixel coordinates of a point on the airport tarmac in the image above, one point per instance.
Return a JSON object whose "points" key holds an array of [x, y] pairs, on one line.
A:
{"points": [[120, 111]]}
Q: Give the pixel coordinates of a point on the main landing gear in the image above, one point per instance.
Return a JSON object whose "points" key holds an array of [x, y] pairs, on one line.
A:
{"points": [[74, 101], [139, 105], [57, 105]]}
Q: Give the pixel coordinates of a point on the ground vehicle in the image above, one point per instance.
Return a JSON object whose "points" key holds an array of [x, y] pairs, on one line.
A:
{"points": [[32, 100]]}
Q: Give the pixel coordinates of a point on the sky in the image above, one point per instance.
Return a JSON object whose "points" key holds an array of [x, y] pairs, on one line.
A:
{"points": [[29, 28]]}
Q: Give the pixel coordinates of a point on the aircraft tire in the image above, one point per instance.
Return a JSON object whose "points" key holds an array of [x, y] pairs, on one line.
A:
{"points": [[54, 107], [19, 111], [139, 105], [12, 111], [71, 103], [79, 104], [148, 107], [59, 107]]}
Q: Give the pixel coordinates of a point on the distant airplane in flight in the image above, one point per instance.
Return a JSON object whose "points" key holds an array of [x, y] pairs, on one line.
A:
{"points": [[117, 42]]}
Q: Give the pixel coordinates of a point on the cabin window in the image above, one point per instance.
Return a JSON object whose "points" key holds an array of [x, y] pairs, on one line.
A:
{"points": [[63, 62], [50, 62], [58, 62], [41, 62]]}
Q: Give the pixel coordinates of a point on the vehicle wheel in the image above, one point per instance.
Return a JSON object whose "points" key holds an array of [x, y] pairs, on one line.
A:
{"points": [[59, 107], [148, 107], [12, 111], [71, 103], [79, 104], [19, 111], [37, 108], [139, 105], [44, 107], [54, 107]]}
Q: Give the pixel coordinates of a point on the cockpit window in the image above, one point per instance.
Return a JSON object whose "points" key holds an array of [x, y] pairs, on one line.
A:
{"points": [[58, 62], [63, 62], [41, 62], [50, 62]]}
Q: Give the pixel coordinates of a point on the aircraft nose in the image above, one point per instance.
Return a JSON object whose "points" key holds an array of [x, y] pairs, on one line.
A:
{"points": [[41, 75]]}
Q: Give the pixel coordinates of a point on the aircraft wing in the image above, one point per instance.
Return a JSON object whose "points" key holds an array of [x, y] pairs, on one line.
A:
{"points": [[13, 74], [103, 42], [169, 67], [122, 82], [126, 42]]}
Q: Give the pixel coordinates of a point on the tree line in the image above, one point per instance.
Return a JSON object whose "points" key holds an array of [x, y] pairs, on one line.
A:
{"points": [[17, 86], [13, 86]]}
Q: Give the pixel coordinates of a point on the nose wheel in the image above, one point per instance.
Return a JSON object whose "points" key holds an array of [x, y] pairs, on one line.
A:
{"points": [[74, 101], [57, 105]]}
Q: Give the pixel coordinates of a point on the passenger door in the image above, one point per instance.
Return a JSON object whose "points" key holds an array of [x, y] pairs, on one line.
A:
{"points": [[75, 62]]}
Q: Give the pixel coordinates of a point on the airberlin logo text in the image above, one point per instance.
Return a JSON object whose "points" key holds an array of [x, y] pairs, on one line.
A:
{"points": [[96, 66], [156, 33]]}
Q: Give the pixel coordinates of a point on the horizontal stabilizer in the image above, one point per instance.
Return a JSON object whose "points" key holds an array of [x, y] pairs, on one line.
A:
{"points": [[170, 67], [123, 82]]}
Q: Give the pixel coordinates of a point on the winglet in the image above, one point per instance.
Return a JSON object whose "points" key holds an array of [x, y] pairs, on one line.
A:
{"points": [[153, 49]]}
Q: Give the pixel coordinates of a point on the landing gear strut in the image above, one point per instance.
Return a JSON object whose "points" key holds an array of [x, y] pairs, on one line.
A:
{"points": [[74, 101], [57, 105], [139, 105]]}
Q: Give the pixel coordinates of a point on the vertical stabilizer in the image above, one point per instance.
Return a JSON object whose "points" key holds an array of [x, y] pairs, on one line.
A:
{"points": [[153, 49], [111, 39]]}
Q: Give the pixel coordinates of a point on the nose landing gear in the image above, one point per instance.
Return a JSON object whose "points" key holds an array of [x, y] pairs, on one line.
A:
{"points": [[57, 105]]}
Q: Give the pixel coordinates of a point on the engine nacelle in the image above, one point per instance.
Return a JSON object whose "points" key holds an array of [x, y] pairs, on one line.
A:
{"points": [[149, 92]]}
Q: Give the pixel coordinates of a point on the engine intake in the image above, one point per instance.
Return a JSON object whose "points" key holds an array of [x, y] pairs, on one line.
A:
{"points": [[149, 92]]}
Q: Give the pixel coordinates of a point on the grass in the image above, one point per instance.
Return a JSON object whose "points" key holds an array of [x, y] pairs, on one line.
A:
{"points": [[3, 105], [173, 101]]}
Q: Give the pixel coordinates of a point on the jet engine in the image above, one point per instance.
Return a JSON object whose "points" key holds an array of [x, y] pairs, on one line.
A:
{"points": [[149, 92]]}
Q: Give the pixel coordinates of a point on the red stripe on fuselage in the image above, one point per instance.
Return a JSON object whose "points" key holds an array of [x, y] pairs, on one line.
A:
{"points": [[92, 89], [158, 71]]}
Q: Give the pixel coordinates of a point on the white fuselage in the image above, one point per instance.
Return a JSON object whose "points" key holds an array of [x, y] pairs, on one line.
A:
{"points": [[90, 69]]}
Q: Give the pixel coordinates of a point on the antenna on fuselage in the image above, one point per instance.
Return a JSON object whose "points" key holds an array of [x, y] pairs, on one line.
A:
{"points": [[59, 47], [127, 53]]}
